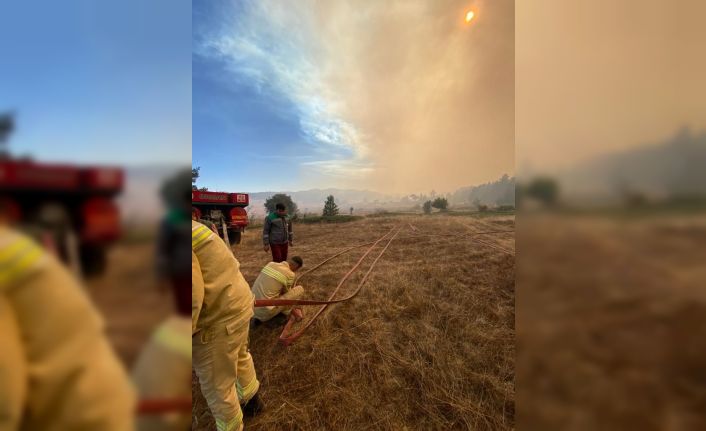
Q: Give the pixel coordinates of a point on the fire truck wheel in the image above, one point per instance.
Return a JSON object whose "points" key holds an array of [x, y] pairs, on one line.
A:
{"points": [[234, 236], [93, 260]]}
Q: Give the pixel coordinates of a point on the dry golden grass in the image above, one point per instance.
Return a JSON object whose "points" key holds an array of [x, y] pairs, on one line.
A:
{"points": [[128, 298], [611, 323], [427, 344]]}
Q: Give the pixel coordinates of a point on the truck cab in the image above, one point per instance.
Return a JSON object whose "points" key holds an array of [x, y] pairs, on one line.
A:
{"points": [[225, 210], [70, 209]]}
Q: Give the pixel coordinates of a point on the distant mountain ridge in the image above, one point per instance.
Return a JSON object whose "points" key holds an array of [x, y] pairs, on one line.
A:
{"points": [[675, 166], [500, 192], [140, 201]]}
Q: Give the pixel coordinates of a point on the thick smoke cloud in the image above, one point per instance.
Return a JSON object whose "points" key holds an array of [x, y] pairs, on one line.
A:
{"points": [[398, 96]]}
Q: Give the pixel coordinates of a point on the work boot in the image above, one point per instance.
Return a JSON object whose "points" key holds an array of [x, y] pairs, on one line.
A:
{"points": [[253, 406]]}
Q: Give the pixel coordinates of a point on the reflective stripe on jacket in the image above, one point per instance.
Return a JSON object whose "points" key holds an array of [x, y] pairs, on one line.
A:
{"points": [[218, 290], [274, 280], [76, 380]]}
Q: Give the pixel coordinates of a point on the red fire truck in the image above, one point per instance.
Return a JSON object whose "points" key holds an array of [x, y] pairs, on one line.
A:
{"points": [[225, 210], [69, 208]]}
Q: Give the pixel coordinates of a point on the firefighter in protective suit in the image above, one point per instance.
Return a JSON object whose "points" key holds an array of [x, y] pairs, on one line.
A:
{"points": [[221, 308], [163, 369], [275, 282], [57, 370]]}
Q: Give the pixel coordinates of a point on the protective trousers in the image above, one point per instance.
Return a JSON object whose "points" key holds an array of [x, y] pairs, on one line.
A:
{"points": [[226, 372], [163, 371], [264, 314]]}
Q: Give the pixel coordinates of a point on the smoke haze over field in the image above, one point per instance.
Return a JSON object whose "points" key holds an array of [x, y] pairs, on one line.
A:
{"points": [[599, 77], [396, 96]]}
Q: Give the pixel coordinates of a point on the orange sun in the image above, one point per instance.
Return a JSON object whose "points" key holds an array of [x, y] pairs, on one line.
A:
{"points": [[469, 16]]}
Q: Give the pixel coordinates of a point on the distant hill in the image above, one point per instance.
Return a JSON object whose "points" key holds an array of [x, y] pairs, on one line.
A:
{"points": [[674, 167], [500, 192], [140, 201]]}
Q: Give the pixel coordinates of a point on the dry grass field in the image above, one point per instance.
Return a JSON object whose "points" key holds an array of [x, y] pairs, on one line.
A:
{"points": [[611, 320], [610, 325], [128, 298], [428, 344]]}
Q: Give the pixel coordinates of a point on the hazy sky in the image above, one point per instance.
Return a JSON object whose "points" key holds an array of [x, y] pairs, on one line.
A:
{"points": [[106, 82], [395, 96], [601, 76]]}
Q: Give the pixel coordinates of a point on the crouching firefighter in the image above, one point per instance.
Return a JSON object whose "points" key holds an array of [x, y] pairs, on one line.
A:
{"points": [[221, 308], [275, 282]]}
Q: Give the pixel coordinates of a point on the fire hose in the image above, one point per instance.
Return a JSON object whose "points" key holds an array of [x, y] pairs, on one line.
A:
{"points": [[162, 406], [282, 302], [287, 338]]}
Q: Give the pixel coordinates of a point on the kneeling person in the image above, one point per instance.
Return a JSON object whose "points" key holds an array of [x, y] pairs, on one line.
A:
{"points": [[275, 282]]}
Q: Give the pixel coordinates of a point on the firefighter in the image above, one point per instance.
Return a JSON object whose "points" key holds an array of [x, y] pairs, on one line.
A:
{"points": [[57, 369], [277, 234], [173, 253], [222, 305], [275, 282], [162, 372]]}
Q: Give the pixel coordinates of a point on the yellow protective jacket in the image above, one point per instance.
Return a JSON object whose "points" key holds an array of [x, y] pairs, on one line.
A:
{"points": [[274, 280], [163, 371], [219, 293], [65, 375], [13, 369]]}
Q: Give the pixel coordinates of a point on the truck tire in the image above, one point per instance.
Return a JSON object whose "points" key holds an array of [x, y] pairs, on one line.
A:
{"points": [[234, 236], [94, 260]]}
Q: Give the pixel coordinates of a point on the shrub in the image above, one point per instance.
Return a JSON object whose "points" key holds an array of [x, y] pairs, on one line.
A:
{"points": [[427, 207]]}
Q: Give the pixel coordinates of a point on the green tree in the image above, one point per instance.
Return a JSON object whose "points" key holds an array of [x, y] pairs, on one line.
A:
{"points": [[544, 189], [194, 177], [195, 172], [281, 198], [440, 203], [7, 125], [330, 207], [427, 207]]}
